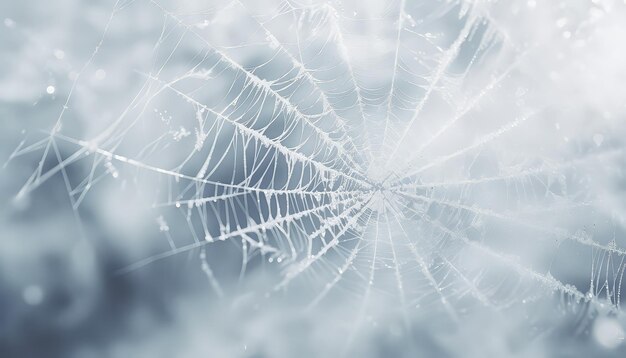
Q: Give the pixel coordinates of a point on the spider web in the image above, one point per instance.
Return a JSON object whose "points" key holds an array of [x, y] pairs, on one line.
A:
{"points": [[368, 148]]}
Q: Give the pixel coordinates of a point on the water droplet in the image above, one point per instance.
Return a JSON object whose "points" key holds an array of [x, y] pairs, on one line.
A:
{"points": [[598, 139], [9, 23], [100, 74], [608, 332], [33, 295], [59, 54]]}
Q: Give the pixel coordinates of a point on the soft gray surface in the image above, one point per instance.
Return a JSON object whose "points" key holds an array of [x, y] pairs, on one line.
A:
{"points": [[514, 249]]}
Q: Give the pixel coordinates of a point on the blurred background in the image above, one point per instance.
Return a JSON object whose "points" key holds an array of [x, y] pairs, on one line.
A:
{"points": [[81, 234]]}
